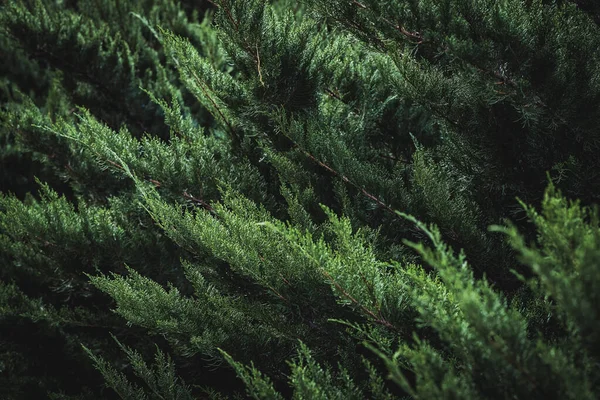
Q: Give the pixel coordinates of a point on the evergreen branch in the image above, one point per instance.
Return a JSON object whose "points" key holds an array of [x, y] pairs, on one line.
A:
{"points": [[504, 80], [114, 164], [205, 90], [401, 29], [117, 102], [282, 297], [377, 318], [371, 291], [203, 203], [122, 168], [338, 97], [361, 5], [225, 6], [515, 364], [345, 179]]}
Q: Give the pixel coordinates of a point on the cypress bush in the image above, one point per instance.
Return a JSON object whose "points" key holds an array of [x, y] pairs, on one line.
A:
{"points": [[299, 199]]}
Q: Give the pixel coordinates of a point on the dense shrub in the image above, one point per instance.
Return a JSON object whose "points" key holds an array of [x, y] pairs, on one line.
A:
{"points": [[299, 199]]}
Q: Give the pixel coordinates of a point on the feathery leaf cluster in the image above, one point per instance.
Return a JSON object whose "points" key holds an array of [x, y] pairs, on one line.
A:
{"points": [[299, 199]]}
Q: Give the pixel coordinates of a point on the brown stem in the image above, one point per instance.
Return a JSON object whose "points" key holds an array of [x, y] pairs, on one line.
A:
{"points": [[345, 179], [225, 7], [205, 90], [338, 97], [401, 29], [114, 164], [258, 66], [203, 203], [378, 319], [361, 5]]}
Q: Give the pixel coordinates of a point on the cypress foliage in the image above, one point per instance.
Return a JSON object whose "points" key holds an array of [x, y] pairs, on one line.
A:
{"points": [[315, 199]]}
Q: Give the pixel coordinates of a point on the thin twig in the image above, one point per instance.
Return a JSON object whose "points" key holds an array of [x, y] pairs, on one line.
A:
{"points": [[197, 200], [345, 179], [116, 165], [378, 319], [338, 97], [205, 90], [401, 29], [225, 7], [258, 66], [361, 5]]}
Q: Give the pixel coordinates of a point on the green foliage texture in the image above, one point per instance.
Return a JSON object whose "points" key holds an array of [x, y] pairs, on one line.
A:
{"points": [[304, 199]]}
